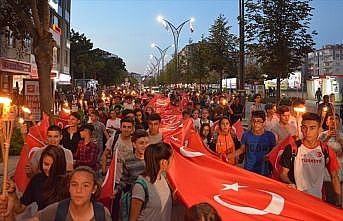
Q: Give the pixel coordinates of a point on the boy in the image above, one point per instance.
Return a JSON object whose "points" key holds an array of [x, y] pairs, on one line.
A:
{"points": [[304, 167], [154, 122], [87, 151], [256, 144]]}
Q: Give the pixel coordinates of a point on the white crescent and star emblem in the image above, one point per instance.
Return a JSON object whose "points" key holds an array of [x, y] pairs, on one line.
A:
{"points": [[275, 206]]}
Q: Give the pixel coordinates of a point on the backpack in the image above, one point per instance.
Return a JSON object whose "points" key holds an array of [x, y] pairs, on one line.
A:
{"points": [[298, 143], [127, 197], [63, 208]]}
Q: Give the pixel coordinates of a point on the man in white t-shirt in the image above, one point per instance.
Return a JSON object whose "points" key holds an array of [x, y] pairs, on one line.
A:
{"points": [[303, 166], [284, 129], [54, 135]]}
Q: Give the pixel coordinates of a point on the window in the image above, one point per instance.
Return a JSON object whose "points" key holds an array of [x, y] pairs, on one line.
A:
{"points": [[66, 58]]}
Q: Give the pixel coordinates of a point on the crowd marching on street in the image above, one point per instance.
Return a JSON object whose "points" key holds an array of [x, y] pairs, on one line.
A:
{"points": [[121, 125]]}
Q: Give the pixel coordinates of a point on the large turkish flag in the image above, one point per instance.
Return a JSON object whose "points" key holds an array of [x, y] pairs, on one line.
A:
{"points": [[200, 176]]}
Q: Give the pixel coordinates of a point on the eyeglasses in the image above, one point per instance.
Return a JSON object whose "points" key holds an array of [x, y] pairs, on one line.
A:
{"points": [[258, 121]]}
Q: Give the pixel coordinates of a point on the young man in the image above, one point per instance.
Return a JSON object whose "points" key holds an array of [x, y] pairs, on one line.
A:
{"points": [[71, 135], [284, 129], [154, 122], [256, 144], [54, 135], [87, 150], [303, 166], [98, 132], [257, 105], [271, 120]]}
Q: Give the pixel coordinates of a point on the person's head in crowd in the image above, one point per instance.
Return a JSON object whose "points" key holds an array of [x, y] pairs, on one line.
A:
{"points": [[197, 106], [117, 109], [53, 164], [154, 122], [138, 103], [157, 159], [216, 100], [112, 114], [93, 117], [326, 99], [84, 187], [54, 135], [269, 110], [186, 114], [149, 110], [205, 131], [257, 98], [139, 114], [202, 212], [117, 100], [332, 98], [222, 101], [257, 121], [224, 125], [331, 120], [86, 131], [140, 141], [127, 126], [195, 114], [74, 119], [236, 99], [101, 103], [90, 110], [310, 126], [284, 114], [128, 99], [205, 114], [128, 113], [189, 106]]}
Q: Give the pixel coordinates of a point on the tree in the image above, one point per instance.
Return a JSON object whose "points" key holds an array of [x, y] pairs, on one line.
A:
{"points": [[31, 19], [278, 34], [223, 49]]}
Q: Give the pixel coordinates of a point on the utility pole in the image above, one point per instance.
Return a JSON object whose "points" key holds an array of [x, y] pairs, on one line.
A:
{"points": [[241, 45]]}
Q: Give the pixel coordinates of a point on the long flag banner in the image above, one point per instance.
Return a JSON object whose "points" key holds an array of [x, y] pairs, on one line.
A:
{"points": [[237, 194]]}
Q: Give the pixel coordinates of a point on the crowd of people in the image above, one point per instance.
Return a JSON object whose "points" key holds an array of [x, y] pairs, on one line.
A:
{"points": [[65, 174]]}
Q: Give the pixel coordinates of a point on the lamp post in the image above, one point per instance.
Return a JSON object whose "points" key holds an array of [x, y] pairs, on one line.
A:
{"points": [[176, 33], [162, 52], [157, 65]]}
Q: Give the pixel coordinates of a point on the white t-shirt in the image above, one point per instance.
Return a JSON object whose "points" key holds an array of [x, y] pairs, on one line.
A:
{"points": [[270, 124], [113, 123], [125, 150], [309, 167]]}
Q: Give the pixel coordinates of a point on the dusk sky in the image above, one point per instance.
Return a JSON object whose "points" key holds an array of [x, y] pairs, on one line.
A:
{"points": [[128, 27]]}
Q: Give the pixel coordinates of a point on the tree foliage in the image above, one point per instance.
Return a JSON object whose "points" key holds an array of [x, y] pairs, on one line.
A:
{"points": [[278, 35], [95, 63], [31, 20]]}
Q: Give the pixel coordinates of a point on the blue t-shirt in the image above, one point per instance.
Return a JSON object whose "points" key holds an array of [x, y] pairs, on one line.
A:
{"points": [[257, 147]]}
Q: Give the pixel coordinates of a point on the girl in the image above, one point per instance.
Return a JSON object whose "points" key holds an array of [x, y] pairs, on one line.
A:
{"points": [[157, 160], [223, 142], [140, 121], [45, 187], [83, 190], [205, 133], [196, 119]]}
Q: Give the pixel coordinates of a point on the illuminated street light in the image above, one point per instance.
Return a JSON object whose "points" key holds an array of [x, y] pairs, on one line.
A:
{"points": [[162, 52]]}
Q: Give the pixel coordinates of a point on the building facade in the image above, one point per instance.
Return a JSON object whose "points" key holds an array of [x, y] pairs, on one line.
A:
{"points": [[325, 71]]}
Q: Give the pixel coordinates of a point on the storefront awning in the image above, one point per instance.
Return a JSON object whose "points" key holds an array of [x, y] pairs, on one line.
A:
{"points": [[14, 67]]}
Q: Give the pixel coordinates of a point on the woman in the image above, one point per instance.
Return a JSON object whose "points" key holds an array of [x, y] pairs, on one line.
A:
{"points": [[334, 138], [45, 187], [71, 135], [202, 212], [83, 190], [205, 133], [223, 143], [196, 119], [157, 159], [140, 121]]}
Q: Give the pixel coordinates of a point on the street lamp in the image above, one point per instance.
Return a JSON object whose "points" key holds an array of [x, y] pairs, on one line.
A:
{"points": [[176, 33], [162, 52], [158, 61]]}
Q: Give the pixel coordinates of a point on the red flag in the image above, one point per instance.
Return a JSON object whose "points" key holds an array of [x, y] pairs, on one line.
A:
{"points": [[275, 155], [62, 119], [238, 128], [36, 138], [237, 194], [107, 191]]}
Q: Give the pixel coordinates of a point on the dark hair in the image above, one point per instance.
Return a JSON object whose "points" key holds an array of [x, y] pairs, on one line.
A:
{"points": [[268, 107], [258, 114], [127, 120], [282, 109], [153, 154], [76, 115], [311, 116], [138, 134], [202, 212], [185, 112], [95, 180], [154, 116], [52, 191], [257, 95], [221, 119], [202, 131], [88, 127], [297, 102], [55, 128], [126, 112]]}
